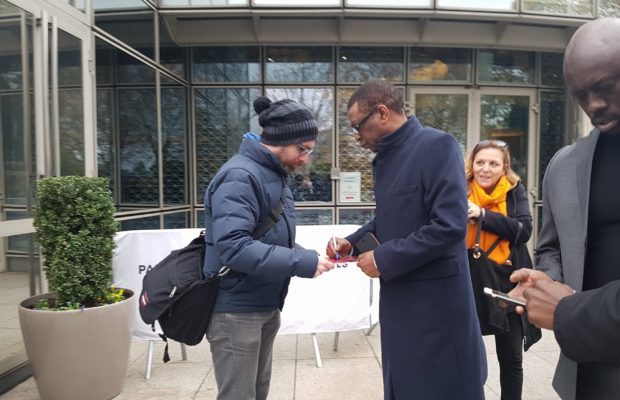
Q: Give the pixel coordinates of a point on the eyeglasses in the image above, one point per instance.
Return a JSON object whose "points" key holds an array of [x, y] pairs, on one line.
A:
{"points": [[355, 129], [483, 144], [303, 150]]}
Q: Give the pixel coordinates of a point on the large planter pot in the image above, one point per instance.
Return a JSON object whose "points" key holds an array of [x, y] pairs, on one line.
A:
{"points": [[78, 354]]}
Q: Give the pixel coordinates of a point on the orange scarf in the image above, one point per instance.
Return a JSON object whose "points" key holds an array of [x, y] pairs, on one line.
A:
{"points": [[496, 201]]}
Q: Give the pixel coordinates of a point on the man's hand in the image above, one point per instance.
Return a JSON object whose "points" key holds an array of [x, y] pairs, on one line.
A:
{"points": [[542, 300], [525, 278], [343, 247], [323, 266], [366, 262]]}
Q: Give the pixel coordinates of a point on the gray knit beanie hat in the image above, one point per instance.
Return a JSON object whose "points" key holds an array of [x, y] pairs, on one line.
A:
{"points": [[285, 122]]}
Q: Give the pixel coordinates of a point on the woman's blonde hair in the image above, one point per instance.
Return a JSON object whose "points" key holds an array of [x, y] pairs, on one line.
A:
{"points": [[500, 145]]}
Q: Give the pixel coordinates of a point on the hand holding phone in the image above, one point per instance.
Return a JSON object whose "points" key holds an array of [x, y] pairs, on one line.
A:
{"points": [[366, 243], [496, 294]]}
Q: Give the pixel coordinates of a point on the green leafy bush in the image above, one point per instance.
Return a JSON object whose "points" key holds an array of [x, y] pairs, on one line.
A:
{"points": [[74, 221]]}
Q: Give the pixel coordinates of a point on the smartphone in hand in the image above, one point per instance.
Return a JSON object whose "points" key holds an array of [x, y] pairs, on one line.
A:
{"points": [[496, 294], [366, 243]]}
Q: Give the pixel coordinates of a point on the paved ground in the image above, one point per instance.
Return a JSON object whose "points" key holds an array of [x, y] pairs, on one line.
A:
{"points": [[351, 373]]}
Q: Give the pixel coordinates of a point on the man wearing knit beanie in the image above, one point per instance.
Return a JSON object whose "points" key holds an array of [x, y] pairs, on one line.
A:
{"points": [[248, 190], [289, 130]]}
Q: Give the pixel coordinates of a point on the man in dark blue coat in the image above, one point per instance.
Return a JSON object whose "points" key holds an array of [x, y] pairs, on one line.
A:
{"points": [[241, 196], [430, 338]]}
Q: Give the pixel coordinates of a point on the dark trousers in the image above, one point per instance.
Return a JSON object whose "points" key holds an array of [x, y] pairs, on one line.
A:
{"points": [[509, 348]]}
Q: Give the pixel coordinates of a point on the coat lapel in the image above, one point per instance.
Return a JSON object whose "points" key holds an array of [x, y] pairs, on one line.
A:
{"points": [[585, 155]]}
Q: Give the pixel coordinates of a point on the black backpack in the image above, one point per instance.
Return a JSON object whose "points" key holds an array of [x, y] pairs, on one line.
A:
{"points": [[176, 293]]}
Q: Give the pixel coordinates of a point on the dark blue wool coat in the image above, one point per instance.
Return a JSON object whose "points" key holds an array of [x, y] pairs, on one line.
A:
{"points": [[237, 201], [430, 339]]}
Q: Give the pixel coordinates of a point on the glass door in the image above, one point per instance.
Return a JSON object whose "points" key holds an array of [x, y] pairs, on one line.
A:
{"points": [[18, 264], [508, 115], [472, 115], [45, 129], [447, 109]]}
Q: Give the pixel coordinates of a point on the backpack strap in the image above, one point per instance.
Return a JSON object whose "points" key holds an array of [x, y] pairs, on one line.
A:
{"points": [[272, 219]]}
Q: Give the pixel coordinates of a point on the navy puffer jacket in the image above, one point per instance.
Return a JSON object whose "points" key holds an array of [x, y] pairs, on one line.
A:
{"points": [[237, 201]]}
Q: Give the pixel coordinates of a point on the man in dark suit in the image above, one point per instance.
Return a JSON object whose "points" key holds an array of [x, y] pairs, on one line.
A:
{"points": [[580, 233], [430, 337]]}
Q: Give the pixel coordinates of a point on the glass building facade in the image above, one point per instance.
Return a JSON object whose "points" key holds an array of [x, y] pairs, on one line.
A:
{"points": [[155, 95]]}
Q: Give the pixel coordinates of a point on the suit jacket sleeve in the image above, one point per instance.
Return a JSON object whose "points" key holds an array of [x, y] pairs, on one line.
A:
{"points": [[548, 256], [587, 324]]}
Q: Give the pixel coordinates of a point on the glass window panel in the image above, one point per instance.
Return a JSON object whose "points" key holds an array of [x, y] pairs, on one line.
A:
{"points": [[105, 59], [134, 26], [360, 64], [69, 59], [102, 5], [178, 220], [200, 218], [305, 216], [140, 224], [355, 216], [106, 153], [70, 105], [226, 64], [71, 130], [352, 157], [500, 5], [138, 146], [296, 3], [132, 70], [19, 243], [222, 116], [506, 66], [564, 7], [18, 152], [11, 68], [551, 69], [299, 64], [194, 3], [552, 129], [389, 3], [609, 8], [174, 145], [448, 112], [440, 64], [507, 118], [171, 55], [312, 182], [77, 4]]}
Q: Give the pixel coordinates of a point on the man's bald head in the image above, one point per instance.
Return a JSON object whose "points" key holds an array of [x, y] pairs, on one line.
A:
{"points": [[592, 71]]}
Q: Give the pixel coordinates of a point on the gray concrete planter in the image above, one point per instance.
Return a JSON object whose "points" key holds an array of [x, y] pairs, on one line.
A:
{"points": [[78, 354]]}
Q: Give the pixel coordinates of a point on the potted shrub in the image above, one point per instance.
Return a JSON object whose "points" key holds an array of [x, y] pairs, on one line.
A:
{"points": [[78, 336]]}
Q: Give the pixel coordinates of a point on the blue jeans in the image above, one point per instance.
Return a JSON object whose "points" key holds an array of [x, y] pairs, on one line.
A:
{"points": [[241, 350]]}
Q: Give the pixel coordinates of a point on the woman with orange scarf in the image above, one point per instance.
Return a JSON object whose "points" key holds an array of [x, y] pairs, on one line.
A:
{"points": [[500, 225]]}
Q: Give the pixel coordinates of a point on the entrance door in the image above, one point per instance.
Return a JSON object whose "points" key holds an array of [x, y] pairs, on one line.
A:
{"points": [[508, 115], [45, 129], [472, 115]]}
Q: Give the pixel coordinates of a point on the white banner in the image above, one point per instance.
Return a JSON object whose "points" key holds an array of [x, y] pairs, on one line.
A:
{"points": [[336, 301]]}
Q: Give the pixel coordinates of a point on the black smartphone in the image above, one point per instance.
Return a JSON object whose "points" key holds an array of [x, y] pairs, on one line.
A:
{"points": [[496, 294], [366, 243]]}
